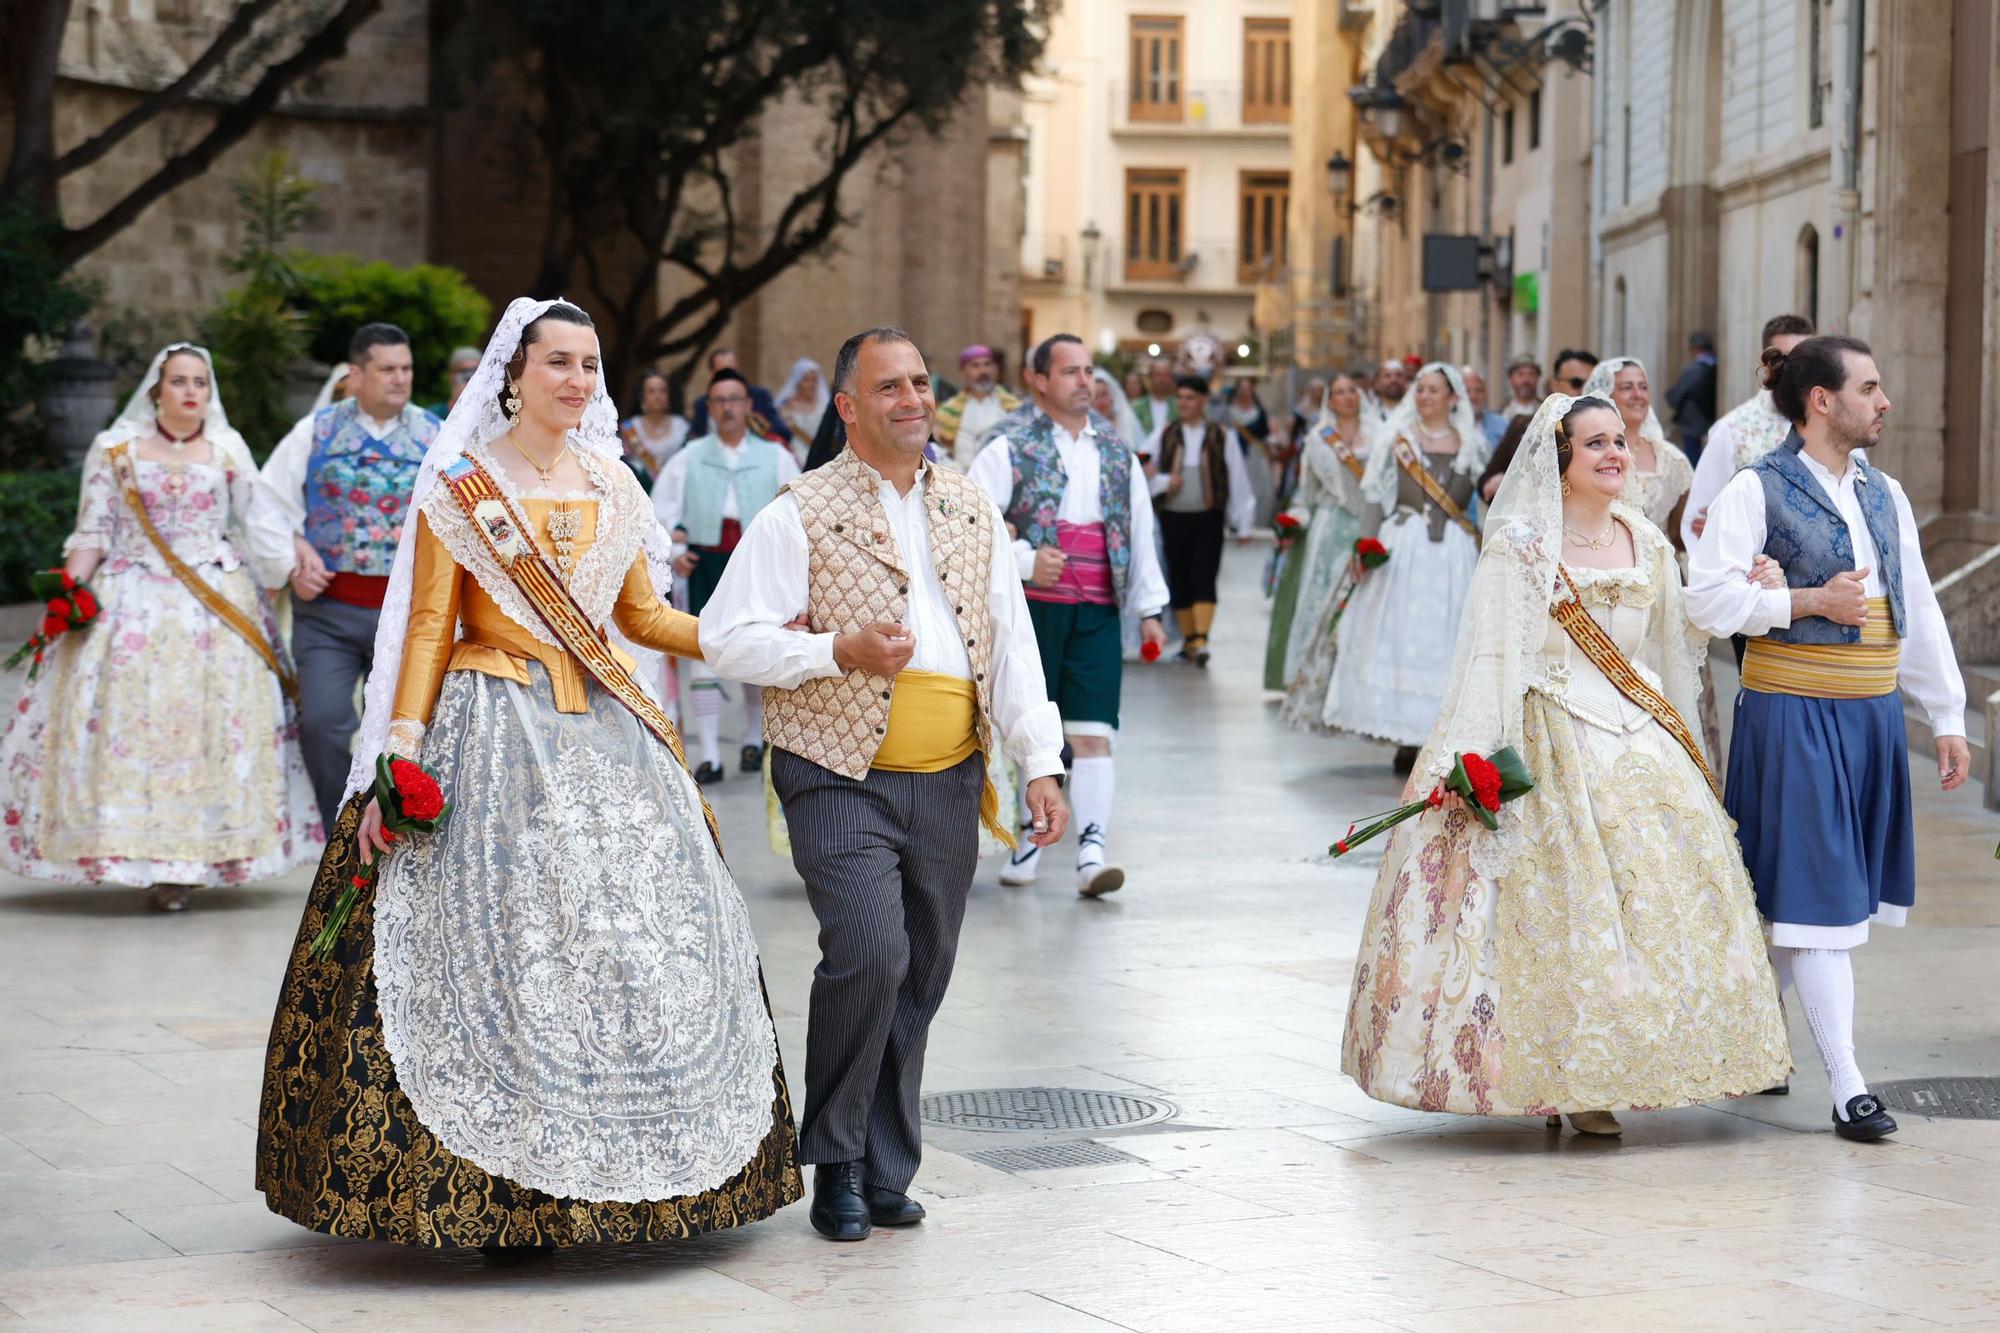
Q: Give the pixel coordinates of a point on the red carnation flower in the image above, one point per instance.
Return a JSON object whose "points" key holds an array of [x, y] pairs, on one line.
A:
{"points": [[1485, 780], [86, 604], [67, 581], [1285, 521], [416, 791], [1370, 546], [1149, 651], [60, 608], [52, 626]]}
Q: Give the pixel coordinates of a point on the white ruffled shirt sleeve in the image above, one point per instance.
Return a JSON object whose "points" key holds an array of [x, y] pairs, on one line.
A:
{"points": [[1711, 474]]}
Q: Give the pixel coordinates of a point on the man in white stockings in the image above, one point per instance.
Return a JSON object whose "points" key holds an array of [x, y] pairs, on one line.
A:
{"points": [[1819, 766], [1080, 508]]}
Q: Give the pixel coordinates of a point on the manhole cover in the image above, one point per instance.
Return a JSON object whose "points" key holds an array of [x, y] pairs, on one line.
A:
{"points": [[1027, 1110], [1053, 1156], [1948, 1098]]}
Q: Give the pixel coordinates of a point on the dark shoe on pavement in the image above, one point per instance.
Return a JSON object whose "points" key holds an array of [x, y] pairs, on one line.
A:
{"points": [[839, 1212], [708, 773], [1406, 759], [753, 759], [1866, 1120], [1777, 1090], [890, 1208]]}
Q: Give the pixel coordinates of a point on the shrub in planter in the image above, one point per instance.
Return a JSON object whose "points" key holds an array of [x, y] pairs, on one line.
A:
{"points": [[438, 307], [37, 511]]}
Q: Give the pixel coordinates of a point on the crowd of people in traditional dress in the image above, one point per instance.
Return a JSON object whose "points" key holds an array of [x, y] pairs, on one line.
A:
{"points": [[547, 1015]]}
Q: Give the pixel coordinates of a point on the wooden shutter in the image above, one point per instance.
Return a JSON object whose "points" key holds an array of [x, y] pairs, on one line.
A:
{"points": [[1267, 71], [1157, 43], [1264, 198], [1155, 223]]}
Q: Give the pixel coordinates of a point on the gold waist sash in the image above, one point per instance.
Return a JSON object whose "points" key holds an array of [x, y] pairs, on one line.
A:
{"points": [[931, 727], [1864, 670]]}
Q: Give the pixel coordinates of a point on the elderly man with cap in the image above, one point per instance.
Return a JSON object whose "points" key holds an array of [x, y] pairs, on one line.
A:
{"points": [[1524, 386], [964, 418]]}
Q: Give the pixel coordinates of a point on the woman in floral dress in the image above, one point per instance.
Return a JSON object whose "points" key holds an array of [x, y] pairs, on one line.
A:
{"points": [[1601, 949], [156, 747]]}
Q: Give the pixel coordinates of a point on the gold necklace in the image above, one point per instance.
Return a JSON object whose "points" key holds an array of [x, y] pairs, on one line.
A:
{"points": [[540, 471], [1593, 543]]}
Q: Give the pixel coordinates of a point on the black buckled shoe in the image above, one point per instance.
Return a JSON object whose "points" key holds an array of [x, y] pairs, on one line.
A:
{"points": [[838, 1210], [890, 1208], [1866, 1120], [752, 759], [708, 773]]}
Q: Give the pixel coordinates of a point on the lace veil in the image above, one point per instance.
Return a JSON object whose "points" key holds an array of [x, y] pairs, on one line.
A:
{"points": [[1379, 483], [474, 424], [136, 418], [1122, 414], [333, 379], [1499, 655], [1599, 386]]}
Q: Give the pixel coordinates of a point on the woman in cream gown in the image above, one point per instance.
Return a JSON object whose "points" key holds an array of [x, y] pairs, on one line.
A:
{"points": [[1601, 950], [1329, 503], [545, 1023]]}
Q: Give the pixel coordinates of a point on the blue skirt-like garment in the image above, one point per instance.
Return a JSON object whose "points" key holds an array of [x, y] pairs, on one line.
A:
{"points": [[1820, 792]]}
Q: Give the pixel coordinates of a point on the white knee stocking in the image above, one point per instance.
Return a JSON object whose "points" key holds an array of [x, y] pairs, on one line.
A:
{"points": [[1781, 967], [753, 714], [1825, 981], [1092, 783], [704, 706]]}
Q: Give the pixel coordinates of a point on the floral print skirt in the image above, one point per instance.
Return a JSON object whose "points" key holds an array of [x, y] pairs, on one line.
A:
{"points": [[1620, 965]]}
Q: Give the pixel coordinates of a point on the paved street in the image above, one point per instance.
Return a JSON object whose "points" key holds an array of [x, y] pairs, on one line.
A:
{"points": [[1274, 1197]]}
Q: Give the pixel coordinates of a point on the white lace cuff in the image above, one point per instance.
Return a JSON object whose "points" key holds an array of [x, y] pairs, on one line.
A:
{"points": [[406, 738]]}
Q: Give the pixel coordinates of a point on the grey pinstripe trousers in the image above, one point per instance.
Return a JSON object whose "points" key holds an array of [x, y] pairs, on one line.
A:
{"points": [[887, 862]]}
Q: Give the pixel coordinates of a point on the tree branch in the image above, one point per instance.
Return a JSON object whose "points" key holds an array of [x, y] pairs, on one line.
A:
{"points": [[230, 127]]}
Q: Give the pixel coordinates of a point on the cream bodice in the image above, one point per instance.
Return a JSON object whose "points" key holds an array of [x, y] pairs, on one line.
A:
{"points": [[1622, 602]]}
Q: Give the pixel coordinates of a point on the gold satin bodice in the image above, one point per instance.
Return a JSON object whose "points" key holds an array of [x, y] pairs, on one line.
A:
{"points": [[455, 626]]}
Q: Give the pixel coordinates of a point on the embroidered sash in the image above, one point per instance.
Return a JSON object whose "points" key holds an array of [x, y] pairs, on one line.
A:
{"points": [[511, 541], [119, 456], [1344, 452], [1589, 636], [1413, 467]]}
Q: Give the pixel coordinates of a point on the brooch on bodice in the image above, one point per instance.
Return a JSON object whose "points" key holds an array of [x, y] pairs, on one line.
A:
{"points": [[565, 526]]}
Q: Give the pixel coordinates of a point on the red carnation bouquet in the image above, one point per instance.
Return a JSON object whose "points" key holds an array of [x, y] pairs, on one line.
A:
{"points": [[1369, 554], [1486, 783], [67, 605], [1287, 528], [411, 802]]}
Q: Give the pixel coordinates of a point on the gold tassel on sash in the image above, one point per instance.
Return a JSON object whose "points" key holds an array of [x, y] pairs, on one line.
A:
{"points": [[932, 726]]}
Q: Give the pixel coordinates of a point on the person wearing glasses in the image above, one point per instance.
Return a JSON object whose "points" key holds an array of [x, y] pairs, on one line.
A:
{"points": [[464, 361], [706, 496], [1572, 370]]}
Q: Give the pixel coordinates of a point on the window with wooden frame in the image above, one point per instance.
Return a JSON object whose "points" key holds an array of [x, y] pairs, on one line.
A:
{"points": [[1267, 71], [1155, 223], [1157, 44], [1264, 198]]}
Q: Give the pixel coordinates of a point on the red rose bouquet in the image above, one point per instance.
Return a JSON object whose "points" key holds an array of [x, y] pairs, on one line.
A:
{"points": [[411, 802], [1485, 782], [67, 605]]}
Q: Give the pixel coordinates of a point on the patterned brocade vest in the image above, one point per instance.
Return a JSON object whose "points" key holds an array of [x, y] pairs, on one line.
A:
{"points": [[1806, 535], [358, 487], [856, 576], [1039, 482]]}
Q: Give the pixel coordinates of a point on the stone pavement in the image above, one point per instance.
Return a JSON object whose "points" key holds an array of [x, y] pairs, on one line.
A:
{"points": [[1274, 1198]]}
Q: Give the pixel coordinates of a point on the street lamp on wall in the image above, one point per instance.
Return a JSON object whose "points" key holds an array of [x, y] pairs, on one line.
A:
{"points": [[1339, 176], [1091, 236]]}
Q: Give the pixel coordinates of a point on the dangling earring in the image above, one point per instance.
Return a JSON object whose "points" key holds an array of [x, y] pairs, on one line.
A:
{"points": [[513, 404], [1565, 488]]}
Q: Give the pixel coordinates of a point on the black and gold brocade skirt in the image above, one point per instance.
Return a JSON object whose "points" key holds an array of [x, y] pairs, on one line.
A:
{"points": [[340, 1150]]}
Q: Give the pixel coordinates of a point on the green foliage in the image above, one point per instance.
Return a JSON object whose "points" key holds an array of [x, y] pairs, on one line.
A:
{"points": [[273, 201], [39, 300], [438, 307], [254, 334], [37, 511]]}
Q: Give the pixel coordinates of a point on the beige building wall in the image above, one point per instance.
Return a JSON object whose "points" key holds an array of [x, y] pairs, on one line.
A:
{"points": [[359, 128]]}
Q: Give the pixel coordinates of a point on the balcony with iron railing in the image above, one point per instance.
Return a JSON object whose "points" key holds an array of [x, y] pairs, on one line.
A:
{"points": [[1166, 264], [1165, 105]]}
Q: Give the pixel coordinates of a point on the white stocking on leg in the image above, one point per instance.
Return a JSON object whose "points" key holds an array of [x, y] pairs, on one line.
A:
{"points": [[1781, 967], [705, 710], [1825, 981], [753, 714], [1093, 781]]}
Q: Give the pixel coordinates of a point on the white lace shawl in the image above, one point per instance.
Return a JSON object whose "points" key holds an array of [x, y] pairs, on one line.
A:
{"points": [[622, 525], [1499, 655], [1658, 491], [1379, 483]]}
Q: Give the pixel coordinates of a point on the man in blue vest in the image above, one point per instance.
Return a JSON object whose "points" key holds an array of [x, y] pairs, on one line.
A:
{"points": [[1819, 774], [326, 515], [706, 496], [1081, 511]]}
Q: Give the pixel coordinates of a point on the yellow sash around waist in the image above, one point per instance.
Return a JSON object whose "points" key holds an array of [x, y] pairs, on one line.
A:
{"points": [[931, 728], [1864, 670]]}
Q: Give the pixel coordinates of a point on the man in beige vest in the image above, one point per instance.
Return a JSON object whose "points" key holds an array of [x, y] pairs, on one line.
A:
{"points": [[883, 718]]}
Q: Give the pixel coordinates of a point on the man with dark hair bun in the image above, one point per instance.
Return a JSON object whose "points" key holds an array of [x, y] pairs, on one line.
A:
{"points": [[1819, 775], [326, 516], [1745, 433]]}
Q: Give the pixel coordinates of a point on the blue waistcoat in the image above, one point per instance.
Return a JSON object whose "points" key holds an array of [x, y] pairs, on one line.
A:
{"points": [[708, 479], [1805, 533], [358, 487]]}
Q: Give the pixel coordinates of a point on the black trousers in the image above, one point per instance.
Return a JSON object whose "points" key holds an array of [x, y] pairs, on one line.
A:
{"points": [[1194, 555]]}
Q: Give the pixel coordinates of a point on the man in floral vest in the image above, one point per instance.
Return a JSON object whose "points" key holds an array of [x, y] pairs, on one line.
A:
{"points": [[1082, 517], [326, 516], [883, 720]]}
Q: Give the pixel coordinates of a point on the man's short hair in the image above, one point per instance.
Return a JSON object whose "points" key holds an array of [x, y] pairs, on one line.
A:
{"points": [[1044, 354], [714, 352], [849, 357], [1193, 383], [728, 375], [1781, 326], [1701, 342], [371, 336]]}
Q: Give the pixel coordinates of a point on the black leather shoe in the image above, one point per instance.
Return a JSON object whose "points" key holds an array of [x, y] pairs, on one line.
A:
{"points": [[1406, 759], [838, 1210], [888, 1208], [708, 773], [1866, 1120], [753, 759]]}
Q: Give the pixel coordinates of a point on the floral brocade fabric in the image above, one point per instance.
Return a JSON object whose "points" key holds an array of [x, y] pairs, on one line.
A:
{"points": [[1620, 965], [340, 1149]]}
